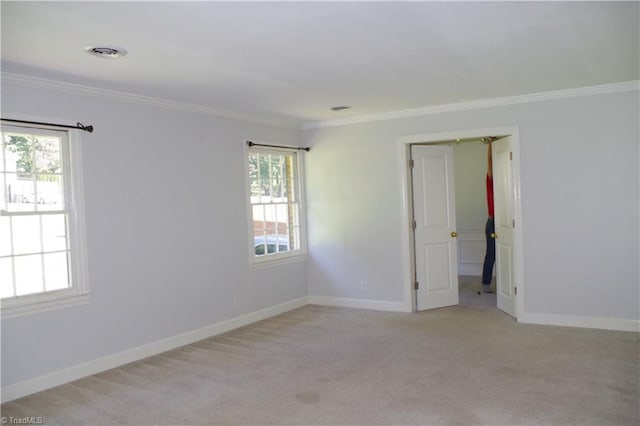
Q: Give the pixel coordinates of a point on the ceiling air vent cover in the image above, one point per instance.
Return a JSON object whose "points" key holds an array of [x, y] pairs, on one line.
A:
{"points": [[106, 52]]}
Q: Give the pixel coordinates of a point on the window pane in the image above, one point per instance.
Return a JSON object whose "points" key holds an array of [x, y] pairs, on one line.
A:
{"points": [[56, 271], [260, 248], [26, 234], [255, 192], [253, 167], [25, 195], [271, 248], [270, 217], [258, 217], [279, 193], [264, 161], [4, 191], [47, 155], [282, 218], [2, 155], [28, 270], [19, 193], [6, 279], [19, 154], [265, 197], [54, 232], [49, 192], [283, 243], [5, 236]]}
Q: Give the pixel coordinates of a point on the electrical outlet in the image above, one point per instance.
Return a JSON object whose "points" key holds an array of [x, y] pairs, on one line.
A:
{"points": [[363, 286]]}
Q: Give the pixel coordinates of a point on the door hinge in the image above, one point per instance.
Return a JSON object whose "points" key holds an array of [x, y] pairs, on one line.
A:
{"points": [[515, 290], [510, 155], [411, 163], [513, 223], [416, 285], [414, 225]]}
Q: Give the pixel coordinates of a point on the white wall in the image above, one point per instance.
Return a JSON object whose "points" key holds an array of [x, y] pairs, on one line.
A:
{"points": [[470, 169], [579, 170], [166, 228]]}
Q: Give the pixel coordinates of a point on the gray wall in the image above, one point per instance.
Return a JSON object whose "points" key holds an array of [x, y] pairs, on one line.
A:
{"points": [[166, 228], [470, 170], [580, 186]]}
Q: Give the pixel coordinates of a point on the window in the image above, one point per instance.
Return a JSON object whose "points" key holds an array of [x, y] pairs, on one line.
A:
{"points": [[275, 205], [41, 237]]}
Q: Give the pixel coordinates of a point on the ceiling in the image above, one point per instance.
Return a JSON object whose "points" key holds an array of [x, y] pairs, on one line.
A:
{"points": [[291, 61]]}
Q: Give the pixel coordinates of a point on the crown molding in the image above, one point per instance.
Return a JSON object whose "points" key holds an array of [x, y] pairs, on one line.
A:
{"points": [[36, 82], [479, 104], [78, 89]]}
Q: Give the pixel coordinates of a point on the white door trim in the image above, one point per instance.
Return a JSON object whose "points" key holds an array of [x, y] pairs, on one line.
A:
{"points": [[403, 149]]}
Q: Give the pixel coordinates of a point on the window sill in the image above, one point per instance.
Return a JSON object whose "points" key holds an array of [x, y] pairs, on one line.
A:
{"points": [[45, 304], [269, 261]]}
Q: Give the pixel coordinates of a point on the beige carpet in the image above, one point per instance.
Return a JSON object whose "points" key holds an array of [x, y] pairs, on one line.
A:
{"points": [[468, 290], [465, 365]]}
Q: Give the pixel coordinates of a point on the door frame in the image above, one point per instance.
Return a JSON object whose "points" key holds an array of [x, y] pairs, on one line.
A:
{"points": [[407, 238]]}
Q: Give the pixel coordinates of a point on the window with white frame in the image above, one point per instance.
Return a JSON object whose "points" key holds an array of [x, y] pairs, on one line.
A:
{"points": [[41, 231], [275, 204]]}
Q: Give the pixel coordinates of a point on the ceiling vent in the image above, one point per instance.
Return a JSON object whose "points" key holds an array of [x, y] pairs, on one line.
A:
{"points": [[106, 52]]}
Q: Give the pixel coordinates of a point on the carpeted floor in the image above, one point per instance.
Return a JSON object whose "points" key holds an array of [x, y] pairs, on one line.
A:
{"points": [[468, 290], [463, 365]]}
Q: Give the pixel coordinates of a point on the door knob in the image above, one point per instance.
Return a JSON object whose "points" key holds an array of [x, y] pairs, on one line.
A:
{"points": [[494, 235], [454, 234]]}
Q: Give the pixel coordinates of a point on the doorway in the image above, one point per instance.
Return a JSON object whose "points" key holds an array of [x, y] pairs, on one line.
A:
{"points": [[431, 245]]}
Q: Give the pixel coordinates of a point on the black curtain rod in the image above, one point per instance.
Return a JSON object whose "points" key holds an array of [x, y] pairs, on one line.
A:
{"points": [[78, 126], [249, 143]]}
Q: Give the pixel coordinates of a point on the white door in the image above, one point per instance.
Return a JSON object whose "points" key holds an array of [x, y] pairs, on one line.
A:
{"points": [[434, 213], [503, 217]]}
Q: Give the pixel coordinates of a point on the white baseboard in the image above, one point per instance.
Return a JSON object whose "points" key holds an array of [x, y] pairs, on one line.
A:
{"points": [[617, 324], [470, 269], [376, 305], [108, 362]]}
